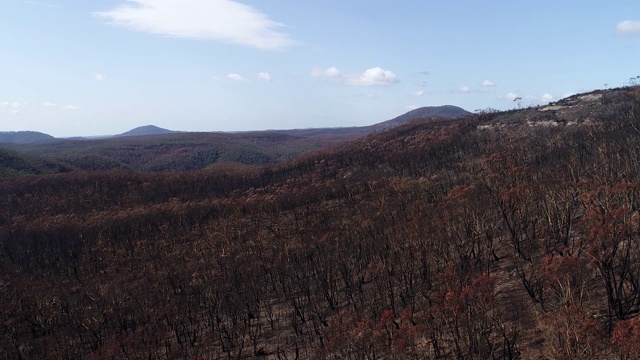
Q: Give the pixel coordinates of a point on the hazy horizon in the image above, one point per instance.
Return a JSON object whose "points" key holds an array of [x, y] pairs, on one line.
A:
{"points": [[98, 68]]}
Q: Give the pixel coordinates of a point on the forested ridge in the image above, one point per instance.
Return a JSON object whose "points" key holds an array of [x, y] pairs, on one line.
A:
{"points": [[499, 235], [169, 152], [149, 148]]}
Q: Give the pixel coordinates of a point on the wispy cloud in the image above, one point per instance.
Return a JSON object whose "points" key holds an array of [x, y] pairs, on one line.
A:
{"points": [[488, 83], [418, 93], [12, 104], [331, 72], [372, 77], [100, 77], [366, 96], [236, 77], [16, 107], [48, 104], [264, 76], [462, 90], [542, 99], [628, 27], [13, 107], [221, 20]]}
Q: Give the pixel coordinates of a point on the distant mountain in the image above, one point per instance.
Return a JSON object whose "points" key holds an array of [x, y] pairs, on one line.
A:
{"points": [[147, 130], [444, 111], [25, 137]]}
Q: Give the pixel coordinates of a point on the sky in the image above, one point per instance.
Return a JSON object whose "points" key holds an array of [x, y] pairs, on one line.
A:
{"points": [[101, 67]]}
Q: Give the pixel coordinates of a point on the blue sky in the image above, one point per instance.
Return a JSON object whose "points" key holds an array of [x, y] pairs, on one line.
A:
{"points": [[80, 68]]}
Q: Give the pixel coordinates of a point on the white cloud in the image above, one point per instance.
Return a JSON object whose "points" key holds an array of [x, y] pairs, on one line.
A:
{"points": [[410, 107], [628, 27], [11, 104], [222, 20], [264, 76], [488, 83], [60, 107], [462, 90], [511, 96], [100, 77], [236, 77], [331, 72], [418, 93], [373, 76], [543, 99]]}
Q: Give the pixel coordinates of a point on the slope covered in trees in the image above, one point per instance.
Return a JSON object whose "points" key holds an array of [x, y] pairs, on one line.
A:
{"points": [[150, 148], [175, 151], [499, 235], [14, 164]]}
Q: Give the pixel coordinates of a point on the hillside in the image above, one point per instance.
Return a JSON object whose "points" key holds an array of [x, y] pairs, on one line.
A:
{"points": [[24, 137], [16, 164], [150, 148], [445, 112], [147, 130], [498, 235], [176, 151]]}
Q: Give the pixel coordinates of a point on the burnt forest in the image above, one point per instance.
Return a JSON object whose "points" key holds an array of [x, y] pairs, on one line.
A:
{"points": [[495, 235]]}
